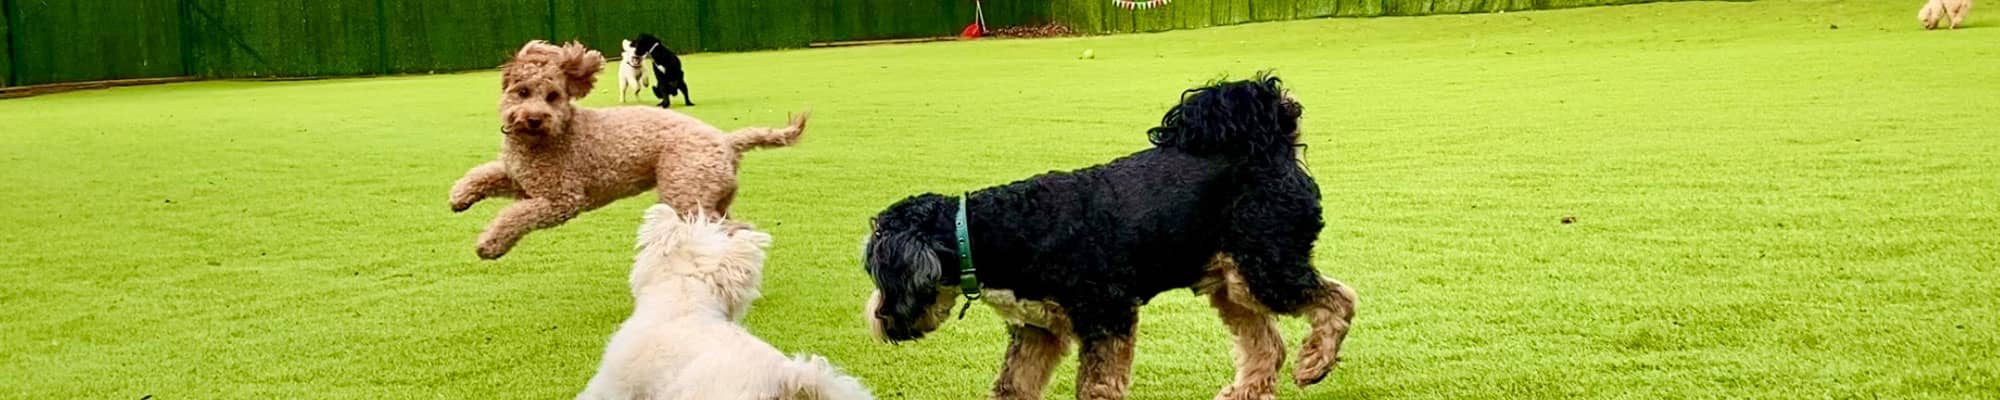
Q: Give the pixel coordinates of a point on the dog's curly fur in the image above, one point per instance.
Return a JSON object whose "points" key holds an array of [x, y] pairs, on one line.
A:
{"points": [[692, 283], [1937, 11], [1221, 205], [560, 159]]}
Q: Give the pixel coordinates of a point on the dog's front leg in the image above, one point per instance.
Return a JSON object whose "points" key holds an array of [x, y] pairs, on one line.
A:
{"points": [[522, 217], [1106, 369], [489, 179], [1330, 314], [1032, 354], [1958, 13], [1260, 349]]}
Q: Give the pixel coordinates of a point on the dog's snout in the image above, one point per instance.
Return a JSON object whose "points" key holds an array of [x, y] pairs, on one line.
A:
{"points": [[903, 334], [528, 122]]}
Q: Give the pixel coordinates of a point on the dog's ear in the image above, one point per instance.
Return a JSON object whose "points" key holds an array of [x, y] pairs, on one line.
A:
{"points": [[579, 68], [903, 266], [659, 225]]}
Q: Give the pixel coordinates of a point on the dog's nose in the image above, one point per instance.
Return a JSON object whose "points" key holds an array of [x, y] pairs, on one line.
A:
{"points": [[535, 122], [902, 333]]}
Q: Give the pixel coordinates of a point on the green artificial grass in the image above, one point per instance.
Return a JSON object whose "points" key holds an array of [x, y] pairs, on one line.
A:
{"points": [[1780, 199]]}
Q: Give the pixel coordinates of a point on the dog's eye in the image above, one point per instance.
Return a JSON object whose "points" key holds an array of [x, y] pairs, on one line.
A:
{"points": [[523, 93], [552, 97]]}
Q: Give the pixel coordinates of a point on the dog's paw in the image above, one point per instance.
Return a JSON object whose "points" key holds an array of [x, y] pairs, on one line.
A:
{"points": [[1318, 359], [462, 202], [1236, 393], [492, 251]]}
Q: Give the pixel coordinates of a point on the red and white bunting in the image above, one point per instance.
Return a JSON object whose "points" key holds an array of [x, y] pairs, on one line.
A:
{"points": [[1140, 5]]}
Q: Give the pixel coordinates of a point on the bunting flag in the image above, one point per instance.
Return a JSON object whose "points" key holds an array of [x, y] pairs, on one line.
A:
{"points": [[1140, 5]]}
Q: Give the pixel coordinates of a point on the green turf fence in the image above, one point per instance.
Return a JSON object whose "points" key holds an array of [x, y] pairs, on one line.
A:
{"points": [[6, 61], [1104, 16], [601, 24], [76, 40], [282, 38], [63, 41], [50, 41]]}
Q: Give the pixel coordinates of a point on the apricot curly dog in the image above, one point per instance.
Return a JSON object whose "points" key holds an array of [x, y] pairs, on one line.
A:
{"points": [[560, 159]]}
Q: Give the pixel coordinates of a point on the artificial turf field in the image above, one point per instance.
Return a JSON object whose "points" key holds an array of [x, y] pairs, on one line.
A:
{"points": [[1764, 206]]}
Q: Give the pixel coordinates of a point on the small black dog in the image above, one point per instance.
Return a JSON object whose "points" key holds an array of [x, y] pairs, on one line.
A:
{"points": [[667, 73], [1221, 205]]}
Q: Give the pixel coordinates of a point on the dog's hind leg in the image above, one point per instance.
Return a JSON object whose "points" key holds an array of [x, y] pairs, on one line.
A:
{"points": [[686, 99], [697, 182], [1260, 349], [486, 180], [1032, 354], [519, 219], [665, 93]]}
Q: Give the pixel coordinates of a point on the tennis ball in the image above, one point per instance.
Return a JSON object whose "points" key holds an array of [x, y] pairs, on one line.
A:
{"points": [[1089, 54]]}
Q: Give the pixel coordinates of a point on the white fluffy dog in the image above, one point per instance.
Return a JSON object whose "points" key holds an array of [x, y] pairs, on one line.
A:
{"points": [[693, 282], [631, 73], [1937, 10]]}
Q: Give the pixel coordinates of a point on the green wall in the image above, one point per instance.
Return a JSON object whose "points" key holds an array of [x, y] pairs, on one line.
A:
{"points": [[50, 41], [79, 40], [6, 61], [1104, 16]]}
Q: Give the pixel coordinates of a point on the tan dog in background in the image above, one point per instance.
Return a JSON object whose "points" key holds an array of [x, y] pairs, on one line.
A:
{"points": [[560, 159], [1938, 10]]}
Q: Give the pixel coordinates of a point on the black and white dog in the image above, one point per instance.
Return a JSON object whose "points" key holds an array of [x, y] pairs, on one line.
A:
{"points": [[1221, 204], [667, 74]]}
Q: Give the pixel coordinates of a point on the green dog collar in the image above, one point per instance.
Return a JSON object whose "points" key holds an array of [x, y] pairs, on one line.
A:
{"points": [[968, 283]]}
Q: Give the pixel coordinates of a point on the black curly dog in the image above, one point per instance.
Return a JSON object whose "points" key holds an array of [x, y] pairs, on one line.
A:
{"points": [[1221, 204], [666, 70]]}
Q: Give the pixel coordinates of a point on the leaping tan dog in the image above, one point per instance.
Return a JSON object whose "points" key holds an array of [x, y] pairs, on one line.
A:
{"points": [[560, 159]]}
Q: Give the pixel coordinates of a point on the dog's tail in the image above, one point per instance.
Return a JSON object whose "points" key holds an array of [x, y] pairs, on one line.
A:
{"points": [[747, 139], [1252, 119], [811, 377]]}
